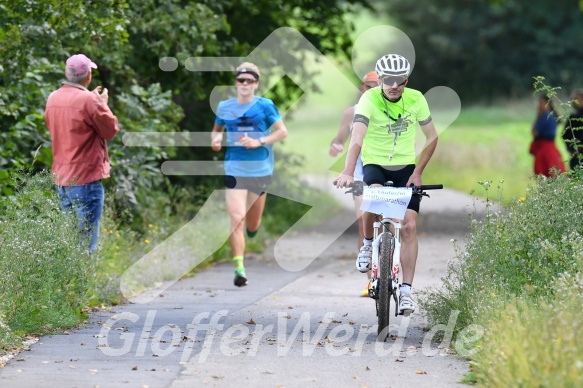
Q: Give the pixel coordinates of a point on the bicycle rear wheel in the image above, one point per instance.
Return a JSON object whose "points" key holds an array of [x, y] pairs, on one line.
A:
{"points": [[385, 291]]}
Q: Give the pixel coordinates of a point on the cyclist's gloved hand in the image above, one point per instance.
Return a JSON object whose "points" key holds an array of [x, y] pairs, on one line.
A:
{"points": [[344, 180]]}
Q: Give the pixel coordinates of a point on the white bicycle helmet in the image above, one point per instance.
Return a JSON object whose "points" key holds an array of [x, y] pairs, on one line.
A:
{"points": [[393, 65]]}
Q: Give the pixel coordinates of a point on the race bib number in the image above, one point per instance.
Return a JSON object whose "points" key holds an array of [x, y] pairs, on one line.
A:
{"points": [[245, 128], [391, 202]]}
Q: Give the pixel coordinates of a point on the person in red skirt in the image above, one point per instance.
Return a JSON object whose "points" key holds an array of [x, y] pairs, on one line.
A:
{"points": [[547, 158]]}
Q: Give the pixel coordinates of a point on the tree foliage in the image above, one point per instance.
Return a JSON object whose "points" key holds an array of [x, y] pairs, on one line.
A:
{"points": [[487, 49], [37, 37], [127, 38]]}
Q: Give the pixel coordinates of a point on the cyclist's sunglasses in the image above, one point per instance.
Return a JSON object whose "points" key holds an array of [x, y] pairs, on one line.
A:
{"points": [[246, 80], [390, 80]]}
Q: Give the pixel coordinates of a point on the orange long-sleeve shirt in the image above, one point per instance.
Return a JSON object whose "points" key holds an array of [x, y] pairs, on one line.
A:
{"points": [[80, 125]]}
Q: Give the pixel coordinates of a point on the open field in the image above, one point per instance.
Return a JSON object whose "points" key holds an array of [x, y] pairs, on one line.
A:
{"points": [[486, 143]]}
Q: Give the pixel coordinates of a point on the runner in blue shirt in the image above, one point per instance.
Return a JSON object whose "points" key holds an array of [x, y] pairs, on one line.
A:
{"points": [[252, 124]]}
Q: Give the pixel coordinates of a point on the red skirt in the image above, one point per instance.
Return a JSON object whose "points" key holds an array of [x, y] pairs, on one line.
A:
{"points": [[546, 157]]}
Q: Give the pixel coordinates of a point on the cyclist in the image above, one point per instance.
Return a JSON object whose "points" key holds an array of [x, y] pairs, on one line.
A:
{"points": [[369, 81], [384, 129], [249, 157]]}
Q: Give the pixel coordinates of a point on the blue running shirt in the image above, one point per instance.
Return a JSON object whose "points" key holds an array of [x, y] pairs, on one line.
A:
{"points": [[253, 120]]}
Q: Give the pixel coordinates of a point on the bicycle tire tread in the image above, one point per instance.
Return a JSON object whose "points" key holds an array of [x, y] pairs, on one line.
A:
{"points": [[386, 249]]}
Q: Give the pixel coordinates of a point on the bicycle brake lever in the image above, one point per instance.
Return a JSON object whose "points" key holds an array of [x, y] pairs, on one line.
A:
{"points": [[418, 191]]}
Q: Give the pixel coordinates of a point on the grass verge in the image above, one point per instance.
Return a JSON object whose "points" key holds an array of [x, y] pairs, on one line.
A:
{"points": [[44, 269], [518, 283]]}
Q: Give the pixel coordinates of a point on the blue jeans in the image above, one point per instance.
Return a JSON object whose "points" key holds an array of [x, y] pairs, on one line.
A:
{"points": [[87, 201]]}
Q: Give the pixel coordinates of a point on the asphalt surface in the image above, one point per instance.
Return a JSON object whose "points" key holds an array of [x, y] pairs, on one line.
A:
{"points": [[302, 328]]}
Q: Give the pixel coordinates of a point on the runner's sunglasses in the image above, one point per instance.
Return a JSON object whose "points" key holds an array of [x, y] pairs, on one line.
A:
{"points": [[246, 80]]}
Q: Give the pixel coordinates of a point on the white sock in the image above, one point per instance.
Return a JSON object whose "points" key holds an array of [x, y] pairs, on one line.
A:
{"points": [[367, 242], [405, 289]]}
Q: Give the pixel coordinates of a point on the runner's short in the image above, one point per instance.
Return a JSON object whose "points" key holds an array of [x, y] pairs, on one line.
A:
{"points": [[399, 175], [257, 185]]}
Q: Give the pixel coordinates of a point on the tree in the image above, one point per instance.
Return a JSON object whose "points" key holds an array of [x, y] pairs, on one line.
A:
{"points": [[485, 50], [231, 28], [36, 37], [127, 38]]}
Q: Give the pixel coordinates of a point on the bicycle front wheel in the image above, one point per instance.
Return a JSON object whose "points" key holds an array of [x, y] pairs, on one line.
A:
{"points": [[385, 290]]}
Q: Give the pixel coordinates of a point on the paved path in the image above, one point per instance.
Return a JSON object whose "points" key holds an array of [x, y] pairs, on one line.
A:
{"points": [[306, 328]]}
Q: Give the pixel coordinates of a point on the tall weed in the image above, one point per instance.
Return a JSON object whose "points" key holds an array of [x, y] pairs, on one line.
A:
{"points": [[513, 254], [44, 265], [537, 344]]}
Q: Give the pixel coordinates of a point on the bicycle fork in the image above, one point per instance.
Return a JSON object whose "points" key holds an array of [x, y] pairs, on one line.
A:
{"points": [[396, 264]]}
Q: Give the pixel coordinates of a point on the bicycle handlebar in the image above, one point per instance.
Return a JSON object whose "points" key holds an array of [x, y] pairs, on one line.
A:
{"points": [[430, 187], [357, 188]]}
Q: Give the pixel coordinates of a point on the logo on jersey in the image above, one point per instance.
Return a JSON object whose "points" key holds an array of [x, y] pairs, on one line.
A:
{"points": [[400, 125]]}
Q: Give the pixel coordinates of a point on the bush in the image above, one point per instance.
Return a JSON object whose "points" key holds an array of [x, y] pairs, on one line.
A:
{"points": [[514, 254]]}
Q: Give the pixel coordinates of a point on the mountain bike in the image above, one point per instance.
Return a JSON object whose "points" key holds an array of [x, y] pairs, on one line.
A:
{"points": [[386, 252]]}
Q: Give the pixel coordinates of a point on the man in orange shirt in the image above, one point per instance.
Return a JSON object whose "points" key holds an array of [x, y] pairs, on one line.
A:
{"points": [[80, 123]]}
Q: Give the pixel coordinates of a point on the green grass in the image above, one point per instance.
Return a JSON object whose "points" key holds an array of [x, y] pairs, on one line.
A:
{"points": [[536, 344], [44, 268]]}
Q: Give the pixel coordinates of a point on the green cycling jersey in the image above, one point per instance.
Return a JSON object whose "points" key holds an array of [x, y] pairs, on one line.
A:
{"points": [[392, 126]]}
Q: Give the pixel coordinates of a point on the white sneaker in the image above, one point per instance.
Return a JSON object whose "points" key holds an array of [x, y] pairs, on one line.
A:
{"points": [[406, 304], [364, 258]]}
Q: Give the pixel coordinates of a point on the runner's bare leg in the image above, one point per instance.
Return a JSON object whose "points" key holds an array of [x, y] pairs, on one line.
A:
{"points": [[236, 206]]}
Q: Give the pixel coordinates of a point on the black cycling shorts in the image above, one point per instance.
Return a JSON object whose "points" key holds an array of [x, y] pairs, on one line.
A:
{"points": [[257, 185], [399, 175]]}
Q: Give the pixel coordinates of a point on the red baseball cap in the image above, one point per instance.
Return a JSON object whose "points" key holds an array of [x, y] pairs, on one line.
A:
{"points": [[79, 64], [371, 76]]}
